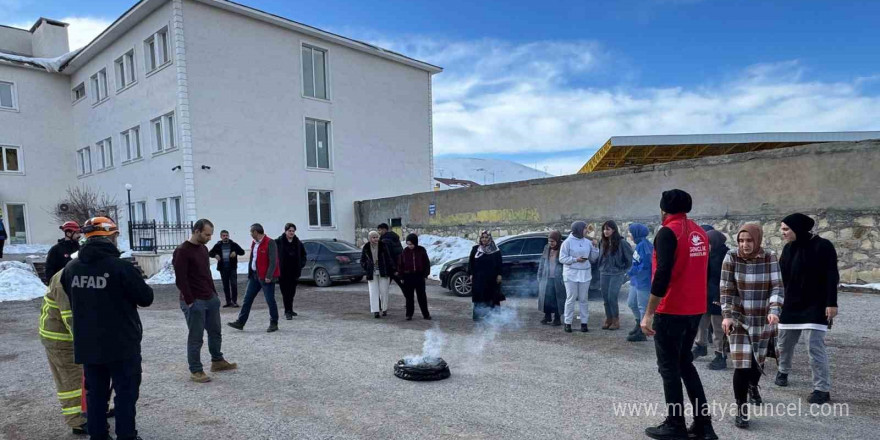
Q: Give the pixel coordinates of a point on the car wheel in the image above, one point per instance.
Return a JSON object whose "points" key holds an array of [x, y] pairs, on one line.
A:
{"points": [[357, 279], [459, 284], [322, 277]]}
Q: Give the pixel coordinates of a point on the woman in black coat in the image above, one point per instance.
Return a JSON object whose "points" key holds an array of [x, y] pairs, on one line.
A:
{"points": [[484, 272], [378, 267], [291, 260], [717, 250]]}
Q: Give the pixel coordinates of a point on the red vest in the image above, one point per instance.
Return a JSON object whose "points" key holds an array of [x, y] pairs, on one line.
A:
{"points": [[686, 294], [263, 259]]}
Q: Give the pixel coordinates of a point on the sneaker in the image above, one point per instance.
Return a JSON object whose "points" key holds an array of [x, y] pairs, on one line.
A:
{"points": [[781, 379], [819, 397], [546, 320], [235, 305], [741, 420], [81, 429], [699, 351], [236, 325], [702, 430], [227, 305], [376, 315], [294, 313], [273, 327], [427, 318], [222, 365], [719, 363], [567, 328], [288, 316], [637, 337], [200, 377], [556, 321], [584, 328], [668, 430], [636, 329], [755, 395]]}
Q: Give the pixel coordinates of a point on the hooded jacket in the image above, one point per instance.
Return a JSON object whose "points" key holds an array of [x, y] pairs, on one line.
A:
{"points": [[59, 256], [105, 292], [640, 272], [415, 260], [810, 276], [717, 251]]}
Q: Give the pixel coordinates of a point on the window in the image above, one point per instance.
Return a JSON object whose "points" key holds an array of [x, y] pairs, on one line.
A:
{"points": [[163, 133], [105, 154], [312, 249], [317, 144], [17, 222], [84, 161], [534, 246], [99, 85], [156, 50], [140, 212], [79, 92], [512, 247], [169, 211], [7, 96], [314, 72], [320, 209], [125, 75], [9, 159], [131, 142]]}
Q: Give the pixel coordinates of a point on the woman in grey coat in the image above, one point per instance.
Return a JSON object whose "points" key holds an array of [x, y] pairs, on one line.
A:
{"points": [[615, 259], [551, 288]]}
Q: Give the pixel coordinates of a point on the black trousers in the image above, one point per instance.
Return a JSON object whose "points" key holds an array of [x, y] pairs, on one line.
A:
{"points": [[2, 243], [414, 283], [742, 378], [126, 377], [229, 275], [673, 342], [288, 292]]}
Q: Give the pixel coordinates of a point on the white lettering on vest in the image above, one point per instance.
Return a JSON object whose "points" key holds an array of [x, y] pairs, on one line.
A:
{"points": [[90, 282]]}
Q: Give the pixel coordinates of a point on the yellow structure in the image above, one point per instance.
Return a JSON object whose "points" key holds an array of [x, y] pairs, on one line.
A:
{"points": [[633, 151]]}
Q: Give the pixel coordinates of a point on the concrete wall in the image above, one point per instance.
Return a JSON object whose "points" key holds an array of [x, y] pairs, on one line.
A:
{"points": [[248, 111], [17, 41], [836, 183], [50, 40], [41, 128]]}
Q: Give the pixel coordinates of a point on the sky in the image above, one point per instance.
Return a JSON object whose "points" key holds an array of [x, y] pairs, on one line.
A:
{"points": [[547, 83]]}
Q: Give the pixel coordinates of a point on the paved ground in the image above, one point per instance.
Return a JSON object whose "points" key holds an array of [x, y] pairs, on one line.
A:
{"points": [[328, 375]]}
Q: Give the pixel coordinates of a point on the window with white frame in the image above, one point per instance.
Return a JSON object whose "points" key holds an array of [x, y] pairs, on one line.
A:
{"points": [[131, 143], [105, 154], [140, 212], [84, 161], [79, 92], [7, 96], [156, 50], [169, 210], [320, 209], [317, 144], [99, 85], [314, 63], [10, 159], [125, 73], [163, 133]]}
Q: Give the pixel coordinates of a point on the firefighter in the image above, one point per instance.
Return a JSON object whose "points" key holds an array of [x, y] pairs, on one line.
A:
{"points": [[57, 338], [105, 292], [61, 253]]}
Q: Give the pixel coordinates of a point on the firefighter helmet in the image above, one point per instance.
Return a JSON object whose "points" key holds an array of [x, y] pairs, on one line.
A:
{"points": [[99, 227], [70, 226]]}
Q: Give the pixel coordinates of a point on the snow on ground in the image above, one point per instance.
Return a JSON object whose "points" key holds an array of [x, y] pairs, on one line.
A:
{"points": [[18, 282], [874, 286], [443, 249], [166, 274], [27, 248]]}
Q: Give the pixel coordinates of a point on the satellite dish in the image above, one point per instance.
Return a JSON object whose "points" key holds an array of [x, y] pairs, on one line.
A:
{"points": [[63, 207]]}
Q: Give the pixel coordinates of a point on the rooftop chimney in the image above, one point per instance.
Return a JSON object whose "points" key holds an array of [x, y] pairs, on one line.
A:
{"points": [[49, 38]]}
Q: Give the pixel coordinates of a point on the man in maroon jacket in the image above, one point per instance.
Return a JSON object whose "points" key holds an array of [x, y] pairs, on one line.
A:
{"points": [[199, 301], [678, 297]]}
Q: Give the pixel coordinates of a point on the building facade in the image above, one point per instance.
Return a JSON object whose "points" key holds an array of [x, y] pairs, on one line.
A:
{"points": [[208, 108]]}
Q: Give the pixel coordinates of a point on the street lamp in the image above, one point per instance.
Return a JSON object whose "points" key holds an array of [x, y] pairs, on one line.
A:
{"points": [[130, 218]]}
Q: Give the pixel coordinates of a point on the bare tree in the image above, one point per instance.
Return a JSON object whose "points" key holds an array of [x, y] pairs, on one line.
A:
{"points": [[82, 203]]}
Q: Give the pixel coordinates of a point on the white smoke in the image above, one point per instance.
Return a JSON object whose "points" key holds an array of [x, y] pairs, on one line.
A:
{"points": [[435, 340], [496, 320]]}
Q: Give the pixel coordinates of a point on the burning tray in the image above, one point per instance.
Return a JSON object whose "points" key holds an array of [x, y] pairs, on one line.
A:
{"points": [[425, 370]]}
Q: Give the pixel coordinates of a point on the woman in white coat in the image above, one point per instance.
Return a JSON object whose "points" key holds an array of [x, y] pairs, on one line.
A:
{"points": [[576, 254]]}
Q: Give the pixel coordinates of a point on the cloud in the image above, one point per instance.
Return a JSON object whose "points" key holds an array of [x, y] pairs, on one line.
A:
{"points": [[82, 30]]}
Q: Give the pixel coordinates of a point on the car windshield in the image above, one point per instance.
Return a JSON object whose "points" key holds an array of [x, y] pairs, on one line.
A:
{"points": [[340, 246]]}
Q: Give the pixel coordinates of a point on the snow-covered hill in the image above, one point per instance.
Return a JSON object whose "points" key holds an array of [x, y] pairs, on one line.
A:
{"points": [[484, 171]]}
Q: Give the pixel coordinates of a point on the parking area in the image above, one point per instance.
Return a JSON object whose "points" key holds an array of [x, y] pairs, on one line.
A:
{"points": [[327, 374]]}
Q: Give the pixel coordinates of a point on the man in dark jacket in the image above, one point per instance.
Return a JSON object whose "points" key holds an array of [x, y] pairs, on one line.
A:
{"points": [[227, 252], [392, 242], [291, 259], [105, 292], [678, 297], [413, 267], [810, 276], [60, 253]]}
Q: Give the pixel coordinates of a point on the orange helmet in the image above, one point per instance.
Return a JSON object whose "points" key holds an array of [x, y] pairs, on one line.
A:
{"points": [[99, 227]]}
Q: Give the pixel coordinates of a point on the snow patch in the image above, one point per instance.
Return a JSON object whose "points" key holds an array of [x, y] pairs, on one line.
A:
{"points": [[873, 286], [443, 249], [166, 274], [18, 282], [50, 64], [27, 248]]}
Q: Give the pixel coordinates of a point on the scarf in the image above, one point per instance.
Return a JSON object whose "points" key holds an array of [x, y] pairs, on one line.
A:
{"points": [[488, 249], [577, 229], [757, 234]]}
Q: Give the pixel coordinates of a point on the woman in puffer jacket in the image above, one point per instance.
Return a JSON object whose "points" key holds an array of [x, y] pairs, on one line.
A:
{"points": [[615, 259], [414, 266]]}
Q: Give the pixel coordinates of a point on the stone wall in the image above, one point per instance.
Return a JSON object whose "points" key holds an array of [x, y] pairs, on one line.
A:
{"points": [[836, 184]]}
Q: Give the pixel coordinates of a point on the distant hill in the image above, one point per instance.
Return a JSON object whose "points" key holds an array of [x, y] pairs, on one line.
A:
{"points": [[484, 171]]}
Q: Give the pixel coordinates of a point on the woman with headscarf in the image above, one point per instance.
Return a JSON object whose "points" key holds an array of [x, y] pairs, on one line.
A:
{"points": [[615, 258], [576, 254], [717, 252], [551, 286], [751, 301], [484, 273], [639, 278], [378, 267], [414, 266], [810, 274]]}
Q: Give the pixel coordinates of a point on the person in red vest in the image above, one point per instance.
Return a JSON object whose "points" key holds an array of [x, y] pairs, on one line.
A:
{"points": [[263, 273], [676, 305]]}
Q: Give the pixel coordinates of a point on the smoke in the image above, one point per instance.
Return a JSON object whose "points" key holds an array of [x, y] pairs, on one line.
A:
{"points": [[485, 332], [435, 340]]}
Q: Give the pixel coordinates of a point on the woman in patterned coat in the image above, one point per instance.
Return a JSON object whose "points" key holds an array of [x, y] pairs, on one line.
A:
{"points": [[751, 301]]}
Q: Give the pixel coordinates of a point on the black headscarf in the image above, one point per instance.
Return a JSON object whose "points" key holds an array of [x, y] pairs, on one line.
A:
{"points": [[801, 225], [676, 201], [413, 238]]}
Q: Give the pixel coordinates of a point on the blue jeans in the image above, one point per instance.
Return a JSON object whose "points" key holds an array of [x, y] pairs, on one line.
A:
{"points": [[610, 286], [203, 315], [638, 302], [254, 286]]}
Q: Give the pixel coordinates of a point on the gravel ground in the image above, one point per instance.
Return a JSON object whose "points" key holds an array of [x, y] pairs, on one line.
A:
{"points": [[328, 375]]}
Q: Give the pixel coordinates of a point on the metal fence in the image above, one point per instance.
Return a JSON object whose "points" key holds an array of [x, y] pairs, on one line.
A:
{"points": [[154, 237]]}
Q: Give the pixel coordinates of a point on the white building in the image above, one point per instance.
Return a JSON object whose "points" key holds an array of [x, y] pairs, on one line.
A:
{"points": [[209, 109]]}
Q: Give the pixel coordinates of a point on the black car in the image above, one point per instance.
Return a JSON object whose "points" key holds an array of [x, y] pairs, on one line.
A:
{"points": [[520, 255], [330, 260]]}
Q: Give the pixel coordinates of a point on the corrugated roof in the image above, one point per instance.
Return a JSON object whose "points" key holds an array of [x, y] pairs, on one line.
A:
{"points": [[743, 138]]}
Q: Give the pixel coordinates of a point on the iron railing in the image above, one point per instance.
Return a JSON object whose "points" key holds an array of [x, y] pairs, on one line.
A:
{"points": [[154, 237]]}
